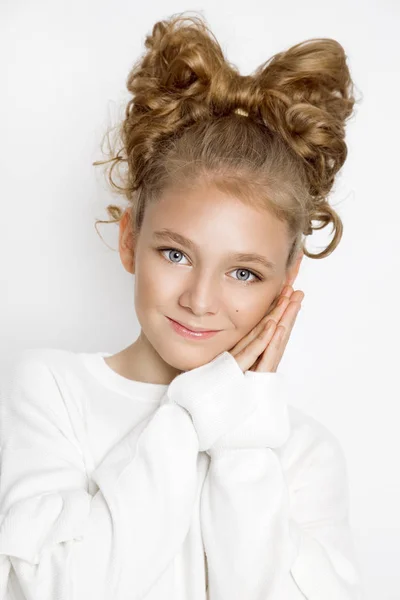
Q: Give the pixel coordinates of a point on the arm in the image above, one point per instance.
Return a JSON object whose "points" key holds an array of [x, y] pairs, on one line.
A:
{"points": [[64, 543], [262, 542]]}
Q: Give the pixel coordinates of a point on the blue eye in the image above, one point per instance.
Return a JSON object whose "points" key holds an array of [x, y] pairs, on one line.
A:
{"points": [[246, 271], [171, 250], [178, 252]]}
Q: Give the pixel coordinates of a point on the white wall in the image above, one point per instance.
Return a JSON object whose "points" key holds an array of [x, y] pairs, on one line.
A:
{"points": [[65, 65]]}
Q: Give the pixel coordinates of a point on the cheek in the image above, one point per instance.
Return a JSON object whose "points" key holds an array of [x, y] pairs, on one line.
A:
{"points": [[248, 313], [153, 283]]}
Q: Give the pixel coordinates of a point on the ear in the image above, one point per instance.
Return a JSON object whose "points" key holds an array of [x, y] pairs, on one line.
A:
{"points": [[127, 243], [294, 269]]}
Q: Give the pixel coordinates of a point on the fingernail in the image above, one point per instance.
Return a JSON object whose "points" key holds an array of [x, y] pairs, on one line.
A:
{"points": [[280, 301]]}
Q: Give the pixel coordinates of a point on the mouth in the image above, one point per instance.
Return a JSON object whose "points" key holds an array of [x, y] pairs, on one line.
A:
{"points": [[194, 329], [186, 332]]}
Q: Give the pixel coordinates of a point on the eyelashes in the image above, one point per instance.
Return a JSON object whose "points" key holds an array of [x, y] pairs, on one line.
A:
{"points": [[169, 249]]}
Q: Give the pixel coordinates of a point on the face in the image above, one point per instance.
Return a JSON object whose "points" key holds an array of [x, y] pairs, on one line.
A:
{"points": [[201, 284]]}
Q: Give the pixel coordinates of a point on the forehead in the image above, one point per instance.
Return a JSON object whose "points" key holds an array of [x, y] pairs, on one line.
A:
{"points": [[208, 216]]}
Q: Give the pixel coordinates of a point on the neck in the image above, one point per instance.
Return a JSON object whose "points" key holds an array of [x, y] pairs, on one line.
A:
{"points": [[141, 362]]}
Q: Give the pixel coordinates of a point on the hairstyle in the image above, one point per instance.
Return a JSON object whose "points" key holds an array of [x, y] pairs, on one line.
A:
{"points": [[274, 139]]}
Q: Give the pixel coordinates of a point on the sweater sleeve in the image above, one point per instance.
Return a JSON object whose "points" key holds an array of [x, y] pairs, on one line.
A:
{"points": [[65, 543], [263, 542]]}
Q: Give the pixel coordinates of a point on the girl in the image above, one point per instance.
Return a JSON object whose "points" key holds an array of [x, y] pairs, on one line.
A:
{"points": [[176, 469]]}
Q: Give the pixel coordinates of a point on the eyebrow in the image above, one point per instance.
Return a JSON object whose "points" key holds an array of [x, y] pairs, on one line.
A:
{"points": [[164, 234]]}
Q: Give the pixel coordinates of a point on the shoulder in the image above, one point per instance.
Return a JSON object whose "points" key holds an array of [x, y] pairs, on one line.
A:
{"points": [[40, 363], [315, 470], [308, 433], [36, 376], [308, 429], [312, 448]]}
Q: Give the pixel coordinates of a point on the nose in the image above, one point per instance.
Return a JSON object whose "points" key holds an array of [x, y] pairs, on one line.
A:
{"points": [[201, 293]]}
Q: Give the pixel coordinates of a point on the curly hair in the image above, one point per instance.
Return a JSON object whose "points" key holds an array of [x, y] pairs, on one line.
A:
{"points": [[275, 138]]}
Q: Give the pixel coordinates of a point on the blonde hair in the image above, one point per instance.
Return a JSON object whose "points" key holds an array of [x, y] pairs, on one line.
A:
{"points": [[275, 138]]}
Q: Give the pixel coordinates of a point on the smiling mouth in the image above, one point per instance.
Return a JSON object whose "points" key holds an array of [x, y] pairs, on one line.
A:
{"points": [[198, 330], [194, 330]]}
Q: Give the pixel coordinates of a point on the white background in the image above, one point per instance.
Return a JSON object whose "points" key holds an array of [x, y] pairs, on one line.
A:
{"points": [[65, 65]]}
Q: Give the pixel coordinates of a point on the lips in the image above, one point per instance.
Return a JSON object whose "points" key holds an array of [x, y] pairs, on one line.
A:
{"points": [[197, 330], [191, 335]]}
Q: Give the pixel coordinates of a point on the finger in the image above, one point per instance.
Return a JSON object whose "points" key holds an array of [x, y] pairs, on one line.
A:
{"points": [[286, 292], [278, 310], [250, 337], [285, 327], [274, 312], [268, 361], [273, 353], [249, 354]]}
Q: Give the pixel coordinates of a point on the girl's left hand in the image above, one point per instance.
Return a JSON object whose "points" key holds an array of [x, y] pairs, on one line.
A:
{"points": [[262, 348]]}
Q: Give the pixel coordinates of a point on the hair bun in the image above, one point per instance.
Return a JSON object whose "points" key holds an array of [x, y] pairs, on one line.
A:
{"points": [[306, 94]]}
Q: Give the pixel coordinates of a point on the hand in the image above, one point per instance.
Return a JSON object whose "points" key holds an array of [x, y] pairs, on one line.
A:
{"points": [[262, 348]]}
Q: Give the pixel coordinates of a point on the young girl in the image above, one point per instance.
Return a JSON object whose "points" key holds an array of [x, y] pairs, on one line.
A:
{"points": [[177, 469]]}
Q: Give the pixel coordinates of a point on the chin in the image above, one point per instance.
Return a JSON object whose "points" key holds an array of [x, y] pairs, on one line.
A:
{"points": [[185, 359]]}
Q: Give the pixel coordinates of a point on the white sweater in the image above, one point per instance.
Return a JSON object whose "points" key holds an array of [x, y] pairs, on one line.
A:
{"points": [[113, 489]]}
